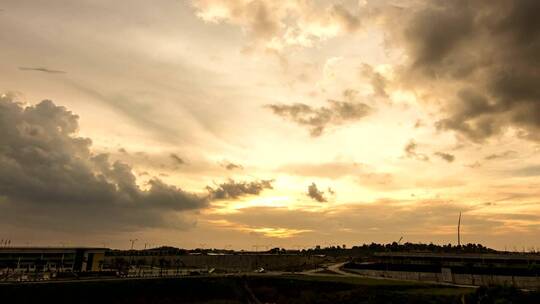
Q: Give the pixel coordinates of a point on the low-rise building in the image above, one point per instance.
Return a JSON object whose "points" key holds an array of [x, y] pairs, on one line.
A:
{"points": [[58, 259]]}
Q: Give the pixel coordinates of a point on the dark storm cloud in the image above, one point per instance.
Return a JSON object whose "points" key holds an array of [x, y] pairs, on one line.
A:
{"points": [[435, 31], [177, 159], [44, 70], [491, 49], [410, 152], [317, 119], [49, 176], [445, 156], [316, 194], [233, 190], [471, 115]]}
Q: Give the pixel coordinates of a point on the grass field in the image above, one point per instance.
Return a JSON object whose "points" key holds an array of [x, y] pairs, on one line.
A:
{"points": [[255, 289]]}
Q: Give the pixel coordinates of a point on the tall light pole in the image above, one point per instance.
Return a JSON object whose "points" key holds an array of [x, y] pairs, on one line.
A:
{"points": [[133, 243], [131, 253]]}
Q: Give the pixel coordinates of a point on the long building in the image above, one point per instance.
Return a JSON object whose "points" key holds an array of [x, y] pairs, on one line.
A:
{"points": [[35, 259], [520, 270]]}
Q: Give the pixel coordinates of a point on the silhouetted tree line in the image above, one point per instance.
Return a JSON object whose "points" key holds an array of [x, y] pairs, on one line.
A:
{"points": [[166, 251], [368, 249], [360, 250]]}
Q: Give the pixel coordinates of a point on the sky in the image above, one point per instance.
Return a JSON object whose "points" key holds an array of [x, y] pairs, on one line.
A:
{"points": [[257, 124]]}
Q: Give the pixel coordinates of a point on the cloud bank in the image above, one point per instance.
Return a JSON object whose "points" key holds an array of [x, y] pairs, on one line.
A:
{"points": [[487, 52], [276, 25], [48, 175]]}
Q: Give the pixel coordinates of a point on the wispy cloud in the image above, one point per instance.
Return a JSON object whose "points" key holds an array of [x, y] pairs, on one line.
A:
{"points": [[278, 25], [317, 119], [506, 154], [177, 159], [410, 151], [272, 232], [41, 69], [231, 166], [316, 194], [233, 189], [445, 156]]}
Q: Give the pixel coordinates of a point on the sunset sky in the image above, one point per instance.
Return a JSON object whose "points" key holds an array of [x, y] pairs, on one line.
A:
{"points": [[234, 123]]}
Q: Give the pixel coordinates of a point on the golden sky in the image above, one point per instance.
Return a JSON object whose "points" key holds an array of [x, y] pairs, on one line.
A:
{"points": [[234, 123]]}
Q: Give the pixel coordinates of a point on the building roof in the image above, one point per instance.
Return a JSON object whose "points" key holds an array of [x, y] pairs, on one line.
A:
{"points": [[49, 249], [484, 256]]}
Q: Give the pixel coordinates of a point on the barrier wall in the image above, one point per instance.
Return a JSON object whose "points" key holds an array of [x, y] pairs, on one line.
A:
{"points": [[241, 262]]}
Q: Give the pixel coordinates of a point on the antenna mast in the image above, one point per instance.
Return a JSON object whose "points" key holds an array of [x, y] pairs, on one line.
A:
{"points": [[459, 230]]}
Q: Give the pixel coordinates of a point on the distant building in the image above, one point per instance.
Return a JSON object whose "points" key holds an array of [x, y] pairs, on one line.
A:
{"points": [[467, 262], [519, 270], [52, 259]]}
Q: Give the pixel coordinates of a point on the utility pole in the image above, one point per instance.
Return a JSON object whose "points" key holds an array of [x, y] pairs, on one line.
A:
{"points": [[459, 230]]}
